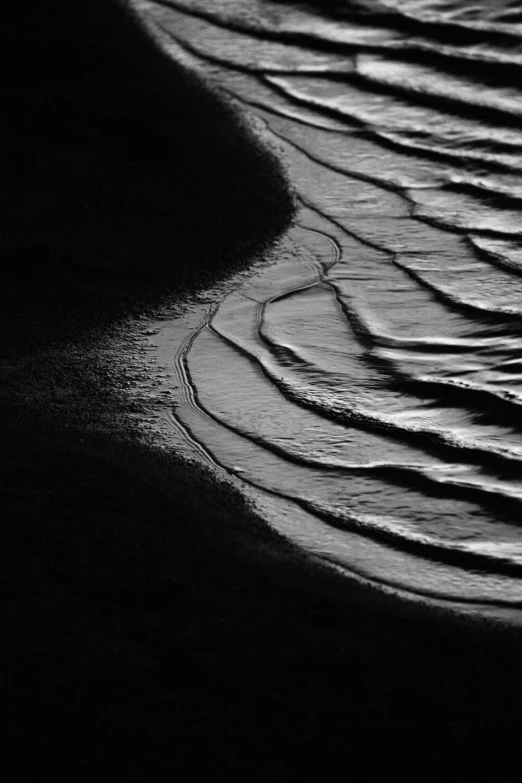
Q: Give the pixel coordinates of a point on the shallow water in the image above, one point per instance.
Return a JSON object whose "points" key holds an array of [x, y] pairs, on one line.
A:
{"points": [[367, 375]]}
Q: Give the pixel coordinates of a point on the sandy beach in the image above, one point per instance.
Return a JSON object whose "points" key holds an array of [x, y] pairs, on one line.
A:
{"points": [[151, 618]]}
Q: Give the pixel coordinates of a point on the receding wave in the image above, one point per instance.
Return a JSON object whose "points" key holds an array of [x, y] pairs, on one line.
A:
{"points": [[506, 558], [369, 370]]}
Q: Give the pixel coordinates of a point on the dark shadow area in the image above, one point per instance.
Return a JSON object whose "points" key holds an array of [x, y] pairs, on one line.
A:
{"points": [[150, 621], [120, 169]]}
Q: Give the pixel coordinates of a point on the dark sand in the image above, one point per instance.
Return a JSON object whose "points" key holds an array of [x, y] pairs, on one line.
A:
{"points": [[149, 619]]}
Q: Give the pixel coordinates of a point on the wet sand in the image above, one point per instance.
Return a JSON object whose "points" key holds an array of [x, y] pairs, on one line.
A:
{"points": [[150, 618]]}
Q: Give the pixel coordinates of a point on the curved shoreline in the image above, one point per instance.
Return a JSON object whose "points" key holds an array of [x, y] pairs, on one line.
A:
{"points": [[179, 419]]}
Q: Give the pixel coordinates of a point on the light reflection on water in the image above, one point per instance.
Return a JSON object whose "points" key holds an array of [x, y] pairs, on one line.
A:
{"points": [[367, 376]]}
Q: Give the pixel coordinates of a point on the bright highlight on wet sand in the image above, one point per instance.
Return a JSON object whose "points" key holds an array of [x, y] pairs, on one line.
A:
{"points": [[367, 374]]}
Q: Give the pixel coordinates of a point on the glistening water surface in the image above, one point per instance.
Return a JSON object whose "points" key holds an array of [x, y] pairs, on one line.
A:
{"points": [[367, 376]]}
